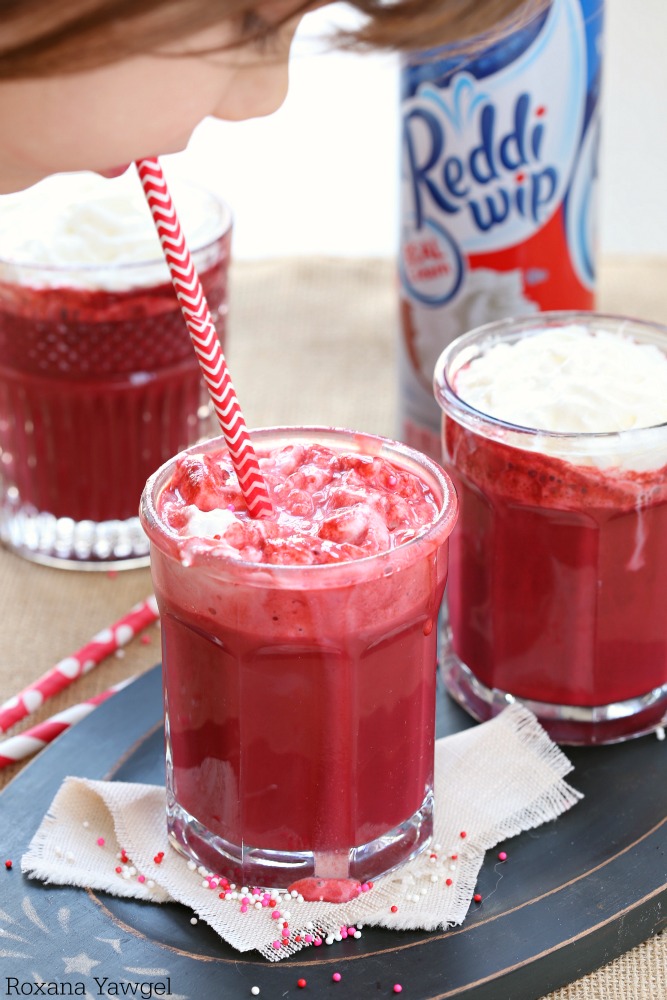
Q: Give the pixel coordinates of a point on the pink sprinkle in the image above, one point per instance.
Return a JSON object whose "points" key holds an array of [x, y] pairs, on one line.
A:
{"points": [[352, 930], [343, 933], [336, 977], [141, 878], [276, 944], [398, 988], [276, 914], [502, 856], [365, 887], [101, 841], [308, 938], [145, 640], [317, 942]]}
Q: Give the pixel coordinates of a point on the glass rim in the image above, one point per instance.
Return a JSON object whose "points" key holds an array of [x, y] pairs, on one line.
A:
{"points": [[433, 535], [449, 400], [122, 266]]}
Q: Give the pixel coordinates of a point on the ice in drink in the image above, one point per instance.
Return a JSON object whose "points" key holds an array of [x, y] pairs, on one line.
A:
{"points": [[555, 433], [299, 654], [99, 383]]}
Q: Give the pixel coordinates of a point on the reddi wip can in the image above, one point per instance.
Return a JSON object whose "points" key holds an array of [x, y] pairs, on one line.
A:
{"points": [[499, 166]]}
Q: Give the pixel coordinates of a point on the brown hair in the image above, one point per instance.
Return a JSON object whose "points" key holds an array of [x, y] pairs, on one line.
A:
{"points": [[66, 36]]}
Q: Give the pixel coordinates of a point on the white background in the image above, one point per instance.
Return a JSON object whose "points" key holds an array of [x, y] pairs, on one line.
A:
{"points": [[320, 176]]}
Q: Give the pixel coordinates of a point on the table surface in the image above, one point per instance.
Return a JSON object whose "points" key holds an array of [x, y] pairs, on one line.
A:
{"points": [[306, 339]]}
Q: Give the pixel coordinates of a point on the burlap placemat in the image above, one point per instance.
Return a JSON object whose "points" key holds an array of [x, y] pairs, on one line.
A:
{"points": [[310, 340]]}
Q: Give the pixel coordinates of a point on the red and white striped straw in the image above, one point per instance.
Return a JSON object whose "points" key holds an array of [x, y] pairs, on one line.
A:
{"points": [[204, 338], [36, 738], [65, 671]]}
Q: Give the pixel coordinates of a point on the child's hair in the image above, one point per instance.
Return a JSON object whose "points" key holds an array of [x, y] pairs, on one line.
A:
{"points": [[50, 37]]}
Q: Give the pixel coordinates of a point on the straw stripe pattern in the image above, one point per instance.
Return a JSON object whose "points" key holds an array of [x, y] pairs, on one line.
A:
{"points": [[204, 338], [37, 737], [67, 670]]}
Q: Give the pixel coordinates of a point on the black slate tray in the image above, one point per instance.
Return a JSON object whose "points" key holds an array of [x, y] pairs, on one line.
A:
{"points": [[573, 895]]}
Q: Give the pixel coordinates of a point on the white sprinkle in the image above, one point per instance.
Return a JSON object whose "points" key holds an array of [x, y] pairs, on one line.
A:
{"points": [[258, 906], [309, 925], [126, 874], [338, 937], [193, 920], [660, 733], [191, 865], [120, 653], [424, 890], [294, 894], [357, 934], [434, 878], [286, 915], [204, 884], [59, 852], [437, 847], [255, 991], [360, 927], [150, 883], [452, 868], [300, 899], [85, 824], [433, 860], [69, 856], [330, 939], [202, 870], [133, 870], [233, 885]]}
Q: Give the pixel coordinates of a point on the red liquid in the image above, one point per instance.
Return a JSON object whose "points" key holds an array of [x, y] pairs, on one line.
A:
{"points": [[301, 713], [558, 574], [99, 389]]}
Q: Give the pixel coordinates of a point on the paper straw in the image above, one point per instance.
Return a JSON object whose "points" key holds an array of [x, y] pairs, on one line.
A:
{"points": [[29, 742], [204, 338], [65, 671]]}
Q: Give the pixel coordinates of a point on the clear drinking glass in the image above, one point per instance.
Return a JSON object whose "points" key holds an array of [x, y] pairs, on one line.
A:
{"points": [[99, 385], [300, 700], [558, 574]]}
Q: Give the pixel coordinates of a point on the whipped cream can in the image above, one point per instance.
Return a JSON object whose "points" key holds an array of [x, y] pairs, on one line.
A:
{"points": [[499, 169]]}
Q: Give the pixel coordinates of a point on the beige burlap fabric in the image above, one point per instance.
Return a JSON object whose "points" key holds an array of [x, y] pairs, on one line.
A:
{"points": [[310, 340]]}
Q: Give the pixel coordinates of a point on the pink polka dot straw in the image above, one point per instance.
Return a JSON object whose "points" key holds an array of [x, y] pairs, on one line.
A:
{"points": [[204, 338], [67, 670]]}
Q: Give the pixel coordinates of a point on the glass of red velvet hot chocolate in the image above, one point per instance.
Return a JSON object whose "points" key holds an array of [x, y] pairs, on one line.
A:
{"points": [[555, 434], [299, 653], [99, 383]]}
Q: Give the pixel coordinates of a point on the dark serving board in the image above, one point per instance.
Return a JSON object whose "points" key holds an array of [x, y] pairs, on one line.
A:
{"points": [[574, 893]]}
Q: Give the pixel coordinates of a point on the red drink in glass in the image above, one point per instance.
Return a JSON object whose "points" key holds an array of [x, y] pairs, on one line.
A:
{"points": [[557, 569], [99, 383], [299, 655]]}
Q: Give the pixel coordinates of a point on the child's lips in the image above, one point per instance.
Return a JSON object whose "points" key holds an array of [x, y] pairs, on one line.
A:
{"points": [[111, 172]]}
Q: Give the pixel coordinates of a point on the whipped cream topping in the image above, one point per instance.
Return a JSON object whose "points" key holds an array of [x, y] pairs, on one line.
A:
{"points": [[82, 230], [570, 380]]}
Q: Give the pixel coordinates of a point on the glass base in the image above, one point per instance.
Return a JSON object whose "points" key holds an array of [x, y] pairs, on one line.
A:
{"points": [[67, 544], [257, 866], [573, 725]]}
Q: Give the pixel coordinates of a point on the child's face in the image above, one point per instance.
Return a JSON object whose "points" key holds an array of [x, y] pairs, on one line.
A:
{"points": [[103, 119]]}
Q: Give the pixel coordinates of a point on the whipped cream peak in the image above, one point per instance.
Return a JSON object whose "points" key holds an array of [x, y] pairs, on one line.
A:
{"points": [[83, 230], [570, 380]]}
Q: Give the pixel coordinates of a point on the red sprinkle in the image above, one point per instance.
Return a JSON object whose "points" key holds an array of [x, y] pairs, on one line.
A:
{"points": [[394, 909], [477, 897], [301, 983], [118, 869], [158, 857], [8, 865], [448, 881], [463, 834], [454, 857], [145, 640]]}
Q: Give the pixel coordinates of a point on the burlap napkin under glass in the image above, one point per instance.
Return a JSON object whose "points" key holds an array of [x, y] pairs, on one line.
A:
{"points": [[491, 782]]}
